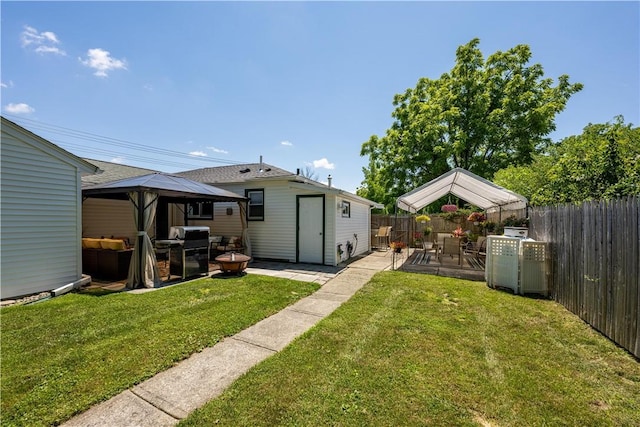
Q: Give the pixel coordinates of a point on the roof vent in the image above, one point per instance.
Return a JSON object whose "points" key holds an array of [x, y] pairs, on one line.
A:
{"points": [[245, 170]]}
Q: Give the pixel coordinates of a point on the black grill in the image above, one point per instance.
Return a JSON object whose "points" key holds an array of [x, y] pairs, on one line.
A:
{"points": [[196, 239], [191, 258]]}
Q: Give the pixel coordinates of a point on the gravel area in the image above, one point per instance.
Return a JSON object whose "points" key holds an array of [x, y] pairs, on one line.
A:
{"points": [[25, 300]]}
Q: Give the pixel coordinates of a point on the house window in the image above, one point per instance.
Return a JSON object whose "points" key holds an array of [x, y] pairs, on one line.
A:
{"points": [[255, 209], [200, 210], [346, 209]]}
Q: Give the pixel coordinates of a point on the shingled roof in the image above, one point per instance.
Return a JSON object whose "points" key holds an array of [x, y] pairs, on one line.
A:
{"points": [[235, 173], [112, 172]]}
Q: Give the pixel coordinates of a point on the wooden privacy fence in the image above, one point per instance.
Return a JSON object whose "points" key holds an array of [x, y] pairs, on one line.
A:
{"points": [[500, 215], [595, 263]]}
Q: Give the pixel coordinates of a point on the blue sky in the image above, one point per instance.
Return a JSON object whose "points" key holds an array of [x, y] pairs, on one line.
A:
{"points": [[303, 84]]}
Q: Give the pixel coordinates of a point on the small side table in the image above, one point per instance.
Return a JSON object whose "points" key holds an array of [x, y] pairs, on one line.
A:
{"points": [[233, 263]]}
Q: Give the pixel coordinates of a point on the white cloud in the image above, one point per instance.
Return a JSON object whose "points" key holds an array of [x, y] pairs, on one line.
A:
{"points": [[148, 87], [286, 143], [198, 153], [21, 108], [50, 49], [48, 35], [323, 163], [6, 85], [101, 61], [41, 42], [218, 150], [119, 160]]}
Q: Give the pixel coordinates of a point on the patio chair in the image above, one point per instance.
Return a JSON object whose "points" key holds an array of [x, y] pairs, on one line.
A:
{"points": [[477, 249], [428, 249], [475, 253], [383, 235], [451, 247], [439, 242]]}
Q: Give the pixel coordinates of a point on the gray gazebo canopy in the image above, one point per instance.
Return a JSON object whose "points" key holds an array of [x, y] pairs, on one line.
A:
{"points": [[144, 192], [467, 186], [175, 188]]}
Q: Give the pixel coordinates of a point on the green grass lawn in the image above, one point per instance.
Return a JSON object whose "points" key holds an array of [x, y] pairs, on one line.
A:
{"points": [[412, 349], [61, 356]]}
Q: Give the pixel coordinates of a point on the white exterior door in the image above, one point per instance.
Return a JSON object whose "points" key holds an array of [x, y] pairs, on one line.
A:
{"points": [[311, 229]]}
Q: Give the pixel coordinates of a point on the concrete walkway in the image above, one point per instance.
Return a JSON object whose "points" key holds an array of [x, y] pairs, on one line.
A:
{"points": [[171, 395]]}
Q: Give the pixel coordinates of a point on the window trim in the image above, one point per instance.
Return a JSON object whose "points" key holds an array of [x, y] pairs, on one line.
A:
{"points": [[345, 208], [247, 194], [199, 215]]}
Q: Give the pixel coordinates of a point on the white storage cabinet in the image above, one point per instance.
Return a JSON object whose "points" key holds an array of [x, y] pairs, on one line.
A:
{"points": [[517, 264], [501, 269], [534, 268]]}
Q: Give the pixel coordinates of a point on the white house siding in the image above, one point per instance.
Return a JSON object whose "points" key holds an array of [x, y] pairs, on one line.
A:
{"points": [[330, 242], [221, 225], [358, 223], [106, 218], [40, 210], [275, 237]]}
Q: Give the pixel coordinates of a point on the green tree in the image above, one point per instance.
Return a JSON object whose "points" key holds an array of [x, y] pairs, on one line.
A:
{"points": [[483, 116], [601, 163]]}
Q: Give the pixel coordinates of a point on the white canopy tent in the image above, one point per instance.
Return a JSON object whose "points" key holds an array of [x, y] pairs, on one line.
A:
{"points": [[467, 186]]}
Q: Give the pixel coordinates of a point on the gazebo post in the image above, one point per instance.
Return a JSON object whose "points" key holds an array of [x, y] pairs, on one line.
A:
{"points": [[141, 209], [185, 213]]}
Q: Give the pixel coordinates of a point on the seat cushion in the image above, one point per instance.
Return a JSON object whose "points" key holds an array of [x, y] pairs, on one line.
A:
{"points": [[113, 244], [91, 243]]}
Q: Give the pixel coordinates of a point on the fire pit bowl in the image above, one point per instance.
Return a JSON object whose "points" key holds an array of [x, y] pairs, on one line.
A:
{"points": [[233, 263]]}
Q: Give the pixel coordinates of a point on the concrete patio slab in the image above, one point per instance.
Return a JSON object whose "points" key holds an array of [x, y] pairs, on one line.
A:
{"points": [[377, 261], [293, 275]]}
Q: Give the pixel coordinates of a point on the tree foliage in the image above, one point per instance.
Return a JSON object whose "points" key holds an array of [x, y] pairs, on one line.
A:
{"points": [[601, 163], [483, 116], [309, 172]]}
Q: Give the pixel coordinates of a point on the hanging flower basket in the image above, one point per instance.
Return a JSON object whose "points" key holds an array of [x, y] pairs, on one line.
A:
{"points": [[423, 219], [476, 217], [449, 208]]}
